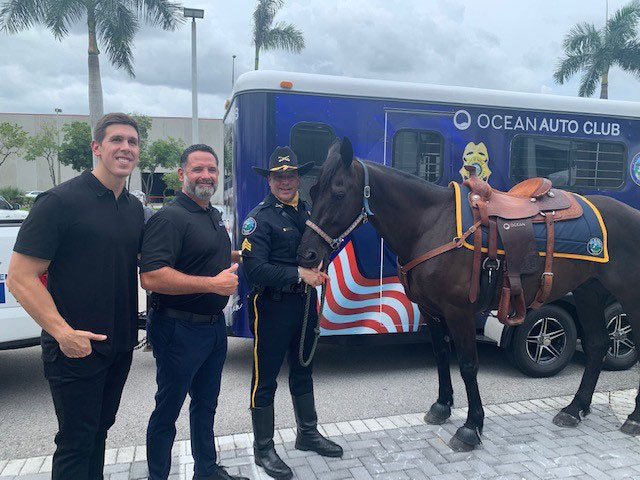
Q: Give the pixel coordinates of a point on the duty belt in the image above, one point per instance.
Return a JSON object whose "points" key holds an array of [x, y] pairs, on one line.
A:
{"points": [[293, 288], [188, 316]]}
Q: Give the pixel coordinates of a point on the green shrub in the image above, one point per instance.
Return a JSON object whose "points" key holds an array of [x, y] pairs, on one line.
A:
{"points": [[168, 198], [13, 194]]}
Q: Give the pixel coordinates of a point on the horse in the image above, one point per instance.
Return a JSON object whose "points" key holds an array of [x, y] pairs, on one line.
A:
{"points": [[414, 216]]}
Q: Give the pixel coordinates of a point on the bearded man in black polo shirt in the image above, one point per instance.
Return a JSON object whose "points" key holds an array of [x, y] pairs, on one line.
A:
{"points": [[86, 234], [186, 257]]}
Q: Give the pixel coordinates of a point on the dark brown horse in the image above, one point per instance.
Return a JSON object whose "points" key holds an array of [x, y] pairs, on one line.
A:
{"points": [[414, 216]]}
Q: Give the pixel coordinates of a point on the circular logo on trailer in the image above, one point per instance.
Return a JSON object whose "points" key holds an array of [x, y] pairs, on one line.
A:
{"points": [[635, 169], [595, 246], [462, 119], [249, 226]]}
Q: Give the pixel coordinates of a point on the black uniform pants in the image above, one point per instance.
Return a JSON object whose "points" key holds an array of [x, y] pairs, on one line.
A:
{"points": [[189, 359], [277, 328], [86, 394]]}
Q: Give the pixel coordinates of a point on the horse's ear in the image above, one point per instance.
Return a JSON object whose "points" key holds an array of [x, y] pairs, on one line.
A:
{"points": [[346, 152], [313, 192]]}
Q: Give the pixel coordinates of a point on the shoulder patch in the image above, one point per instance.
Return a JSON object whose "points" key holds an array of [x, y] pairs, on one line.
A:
{"points": [[246, 245], [249, 226]]}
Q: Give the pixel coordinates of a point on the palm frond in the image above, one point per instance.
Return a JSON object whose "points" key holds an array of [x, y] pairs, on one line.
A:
{"points": [[116, 26], [18, 15], [61, 14], [623, 25], [628, 59], [160, 13], [263, 17], [581, 38], [589, 81], [570, 65], [284, 36]]}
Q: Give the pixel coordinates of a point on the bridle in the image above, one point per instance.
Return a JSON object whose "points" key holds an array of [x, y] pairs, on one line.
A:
{"points": [[366, 212]]}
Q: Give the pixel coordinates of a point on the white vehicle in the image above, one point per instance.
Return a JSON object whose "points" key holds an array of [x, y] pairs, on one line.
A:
{"points": [[17, 328], [11, 212], [33, 193]]}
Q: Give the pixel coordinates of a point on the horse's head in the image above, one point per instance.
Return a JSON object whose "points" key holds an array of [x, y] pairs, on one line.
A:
{"points": [[337, 202]]}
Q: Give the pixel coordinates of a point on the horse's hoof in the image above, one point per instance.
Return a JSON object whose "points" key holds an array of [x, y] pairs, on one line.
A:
{"points": [[437, 414], [630, 427], [563, 419], [464, 440]]}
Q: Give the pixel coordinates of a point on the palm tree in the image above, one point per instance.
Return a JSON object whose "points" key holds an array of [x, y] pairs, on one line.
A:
{"points": [[595, 51], [284, 35], [112, 23]]}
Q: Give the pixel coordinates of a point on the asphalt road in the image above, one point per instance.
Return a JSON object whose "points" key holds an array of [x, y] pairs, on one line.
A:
{"points": [[350, 383]]}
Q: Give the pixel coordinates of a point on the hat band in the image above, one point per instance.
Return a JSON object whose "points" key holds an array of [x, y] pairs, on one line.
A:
{"points": [[282, 168]]}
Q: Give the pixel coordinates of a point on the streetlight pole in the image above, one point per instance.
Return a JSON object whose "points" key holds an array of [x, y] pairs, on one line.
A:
{"points": [[233, 71], [194, 13], [58, 112]]}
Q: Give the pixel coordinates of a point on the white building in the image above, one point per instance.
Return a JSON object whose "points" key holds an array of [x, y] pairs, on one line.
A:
{"points": [[28, 176]]}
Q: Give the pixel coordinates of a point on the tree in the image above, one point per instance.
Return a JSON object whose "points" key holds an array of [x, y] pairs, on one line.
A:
{"points": [[172, 182], [161, 153], [144, 127], [44, 145], [12, 140], [76, 146], [112, 23], [594, 51], [284, 35]]}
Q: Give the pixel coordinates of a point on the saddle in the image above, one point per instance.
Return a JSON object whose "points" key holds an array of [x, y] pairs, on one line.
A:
{"points": [[511, 216]]}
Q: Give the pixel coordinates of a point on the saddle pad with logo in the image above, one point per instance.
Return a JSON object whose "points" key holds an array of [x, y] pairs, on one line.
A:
{"points": [[583, 238]]}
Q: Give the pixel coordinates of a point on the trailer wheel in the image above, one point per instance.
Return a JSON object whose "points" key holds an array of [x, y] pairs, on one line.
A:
{"points": [[622, 353], [545, 343]]}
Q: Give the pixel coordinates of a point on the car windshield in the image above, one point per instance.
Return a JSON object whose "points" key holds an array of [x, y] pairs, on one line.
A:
{"points": [[4, 205]]}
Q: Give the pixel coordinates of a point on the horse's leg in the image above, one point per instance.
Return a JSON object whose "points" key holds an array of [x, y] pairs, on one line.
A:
{"points": [[440, 411], [590, 300], [631, 306], [463, 332]]}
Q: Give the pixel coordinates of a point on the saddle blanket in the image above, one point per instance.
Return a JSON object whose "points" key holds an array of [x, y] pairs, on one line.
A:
{"points": [[583, 238]]}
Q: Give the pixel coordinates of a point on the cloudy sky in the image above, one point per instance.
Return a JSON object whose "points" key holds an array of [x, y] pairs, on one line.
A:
{"points": [[499, 44]]}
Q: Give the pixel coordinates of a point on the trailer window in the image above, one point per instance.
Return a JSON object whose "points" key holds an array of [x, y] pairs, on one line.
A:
{"points": [[569, 163], [311, 142], [418, 152]]}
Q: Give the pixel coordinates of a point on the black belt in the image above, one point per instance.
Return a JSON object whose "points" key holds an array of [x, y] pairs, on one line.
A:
{"points": [[293, 288], [191, 317]]}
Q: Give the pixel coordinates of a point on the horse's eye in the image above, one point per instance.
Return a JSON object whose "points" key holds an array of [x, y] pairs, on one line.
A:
{"points": [[338, 195]]}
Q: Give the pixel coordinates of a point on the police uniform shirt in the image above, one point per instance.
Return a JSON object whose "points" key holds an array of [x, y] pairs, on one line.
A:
{"points": [[272, 233], [92, 240], [192, 240]]}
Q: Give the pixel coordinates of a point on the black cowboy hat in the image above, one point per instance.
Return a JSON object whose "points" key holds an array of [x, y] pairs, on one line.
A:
{"points": [[283, 160]]}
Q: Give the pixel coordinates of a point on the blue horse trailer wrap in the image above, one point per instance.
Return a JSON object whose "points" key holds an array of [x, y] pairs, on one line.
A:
{"points": [[583, 145]]}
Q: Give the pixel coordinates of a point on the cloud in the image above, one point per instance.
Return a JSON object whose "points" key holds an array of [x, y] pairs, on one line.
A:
{"points": [[490, 44]]}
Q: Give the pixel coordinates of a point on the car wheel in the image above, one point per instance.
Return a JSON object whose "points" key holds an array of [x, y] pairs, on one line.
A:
{"points": [[545, 343], [622, 353]]}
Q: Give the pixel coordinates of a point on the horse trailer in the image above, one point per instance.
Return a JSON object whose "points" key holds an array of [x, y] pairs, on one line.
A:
{"points": [[582, 145]]}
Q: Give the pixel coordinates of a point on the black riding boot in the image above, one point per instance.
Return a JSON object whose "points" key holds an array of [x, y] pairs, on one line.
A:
{"points": [[263, 449], [309, 438]]}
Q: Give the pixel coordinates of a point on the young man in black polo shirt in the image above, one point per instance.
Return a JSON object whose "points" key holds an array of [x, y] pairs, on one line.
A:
{"points": [[186, 257], [86, 234]]}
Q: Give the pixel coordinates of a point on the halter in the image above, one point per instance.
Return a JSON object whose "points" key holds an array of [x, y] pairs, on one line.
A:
{"points": [[366, 212]]}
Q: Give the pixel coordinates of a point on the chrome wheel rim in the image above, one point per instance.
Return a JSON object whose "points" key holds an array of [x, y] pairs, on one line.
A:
{"points": [[619, 330], [546, 341]]}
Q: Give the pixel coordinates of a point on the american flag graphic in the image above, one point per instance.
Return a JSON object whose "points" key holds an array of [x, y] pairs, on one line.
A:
{"points": [[358, 305]]}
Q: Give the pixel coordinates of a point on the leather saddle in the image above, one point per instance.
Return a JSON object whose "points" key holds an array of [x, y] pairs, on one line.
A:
{"points": [[511, 216]]}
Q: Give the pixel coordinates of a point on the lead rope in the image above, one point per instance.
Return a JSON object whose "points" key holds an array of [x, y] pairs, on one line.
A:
{"points": [[316, 330]]}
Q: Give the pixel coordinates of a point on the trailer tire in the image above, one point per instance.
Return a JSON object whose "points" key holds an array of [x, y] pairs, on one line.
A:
{"points": [[545, 343], [622, 353]]}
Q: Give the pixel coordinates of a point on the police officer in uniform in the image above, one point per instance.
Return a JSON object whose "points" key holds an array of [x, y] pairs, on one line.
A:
{"points": [[272, 232]]}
